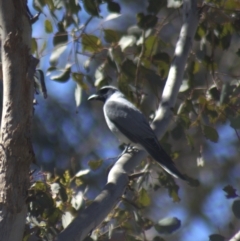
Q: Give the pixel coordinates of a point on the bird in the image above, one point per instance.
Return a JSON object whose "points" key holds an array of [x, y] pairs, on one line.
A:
{"points": [[131, 127]]}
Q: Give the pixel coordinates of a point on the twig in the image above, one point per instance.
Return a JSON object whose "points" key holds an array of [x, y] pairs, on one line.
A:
{"points": [[236, 237], [140, 58]]}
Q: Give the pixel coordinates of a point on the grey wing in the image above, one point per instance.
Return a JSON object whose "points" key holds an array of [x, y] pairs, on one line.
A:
{"points": [[129, 120], [133, 124]]}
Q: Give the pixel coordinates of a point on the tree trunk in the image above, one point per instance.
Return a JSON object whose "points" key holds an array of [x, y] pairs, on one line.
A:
{"points": [[16, 152]]}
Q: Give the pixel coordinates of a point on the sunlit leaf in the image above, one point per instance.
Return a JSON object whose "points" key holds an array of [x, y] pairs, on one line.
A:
{"points": [[48, 26], [151, 45], [91, 43], [67, 218], [143, 198], [79, 78], [112, 16], [40, 186], [55, 187], [94, 165], [64, 76], [184, 86], [56, 53], [34, 46], [127, 41], [77, 200], [78, 95], [82, 173], [111, 36], [168, 225]]}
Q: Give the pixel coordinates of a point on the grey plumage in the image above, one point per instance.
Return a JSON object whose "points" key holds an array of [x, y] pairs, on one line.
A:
{"points": [[131, 126]]}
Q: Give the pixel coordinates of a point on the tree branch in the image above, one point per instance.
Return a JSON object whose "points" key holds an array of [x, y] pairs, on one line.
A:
{"points": [[236, 237], [93, 215], [16, 152]]}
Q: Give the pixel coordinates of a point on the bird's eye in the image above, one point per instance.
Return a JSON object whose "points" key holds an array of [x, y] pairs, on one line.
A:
{"points": [[103, 91]]}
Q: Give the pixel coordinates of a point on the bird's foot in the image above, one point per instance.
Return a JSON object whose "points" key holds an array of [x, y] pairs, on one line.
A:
{"points": [[128, 149]]}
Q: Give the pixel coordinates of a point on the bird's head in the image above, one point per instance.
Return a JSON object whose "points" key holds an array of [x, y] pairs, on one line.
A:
{"points": [[104, 93]]}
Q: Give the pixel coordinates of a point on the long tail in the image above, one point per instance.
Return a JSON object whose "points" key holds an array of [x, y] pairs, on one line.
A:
{"points": [[155, 150]]}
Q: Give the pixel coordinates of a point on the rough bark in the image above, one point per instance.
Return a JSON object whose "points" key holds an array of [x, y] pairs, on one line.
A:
{"points": [[93, 215], [16, 152]]}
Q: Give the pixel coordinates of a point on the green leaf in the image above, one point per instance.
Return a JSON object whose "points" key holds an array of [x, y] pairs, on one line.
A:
{"points": [[226, 92], [238, 53], [235, 122], [200, 33], [143, 198], [226, 41], [216, 237], [79, 78], [60, 38], [73, 6], [146, 21], [40, 186], [129, 68], [94, 165], [48, 26], [154, 6], [157, 238], [38, 5], [168, 225], [63, 193], [210, 133], [63, 77], [236, 208], [151, 45], [50, 4], [34, 46], [44, 200], [214, 93], [177, 132], [113, 7], [190, 141], [111, 36], [91, 7], [91, 43], [230, 191], [161, 57]]}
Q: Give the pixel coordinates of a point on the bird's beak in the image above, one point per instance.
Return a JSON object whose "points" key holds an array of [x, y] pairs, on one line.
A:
{"points": [[95, 97]]}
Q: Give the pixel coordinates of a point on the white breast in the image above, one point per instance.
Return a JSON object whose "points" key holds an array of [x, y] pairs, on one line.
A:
{"points": [[122, 138]]}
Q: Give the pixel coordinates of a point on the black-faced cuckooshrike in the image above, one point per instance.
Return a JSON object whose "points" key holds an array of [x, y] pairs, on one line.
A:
{"points": [[131, 127]]}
